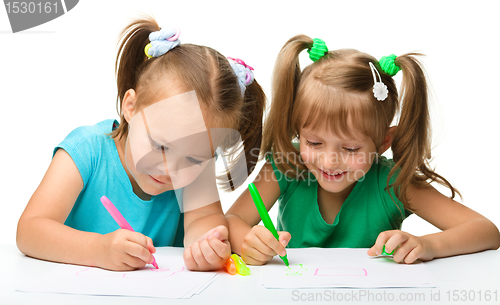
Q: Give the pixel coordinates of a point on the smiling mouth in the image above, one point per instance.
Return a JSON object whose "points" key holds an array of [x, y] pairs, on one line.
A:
{"points": [[334, 175]]}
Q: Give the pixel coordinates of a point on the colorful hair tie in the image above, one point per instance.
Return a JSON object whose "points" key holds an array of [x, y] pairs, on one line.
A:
{"points": [[318, 50], [388, 65], [243, 71], [241, 62], [162, 41], [380, 91]]}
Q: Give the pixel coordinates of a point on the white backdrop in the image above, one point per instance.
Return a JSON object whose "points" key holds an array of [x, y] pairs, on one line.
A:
{"points": [[60, 75]]}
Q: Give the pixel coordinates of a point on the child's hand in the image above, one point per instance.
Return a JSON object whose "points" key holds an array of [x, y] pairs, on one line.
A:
{"points": [[260, 245], [124, 250], [210, 251], [410, 248]]}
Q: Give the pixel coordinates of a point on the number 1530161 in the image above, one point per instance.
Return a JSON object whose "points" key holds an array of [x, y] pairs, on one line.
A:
{"points": [[15, 7]]}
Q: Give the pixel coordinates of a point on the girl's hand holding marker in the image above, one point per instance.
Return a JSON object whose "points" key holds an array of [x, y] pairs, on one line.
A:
{"points": [[260, 240]]}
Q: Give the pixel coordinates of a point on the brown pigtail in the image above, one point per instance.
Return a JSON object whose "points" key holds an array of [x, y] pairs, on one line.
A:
{"points": [[130, 61], [250, 127]]}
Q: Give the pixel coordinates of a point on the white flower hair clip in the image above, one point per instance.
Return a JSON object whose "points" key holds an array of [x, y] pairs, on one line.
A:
{"points": [[379, 88]]}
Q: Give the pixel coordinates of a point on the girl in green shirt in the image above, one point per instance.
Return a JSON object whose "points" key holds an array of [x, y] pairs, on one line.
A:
{"points": [[323, 137]]}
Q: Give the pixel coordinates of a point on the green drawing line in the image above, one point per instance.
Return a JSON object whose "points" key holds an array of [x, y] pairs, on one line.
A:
{"points": [[292, 272]]}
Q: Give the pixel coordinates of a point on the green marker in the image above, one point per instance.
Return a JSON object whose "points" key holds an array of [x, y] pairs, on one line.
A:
{"points": [[264, 215], [385, 253]]}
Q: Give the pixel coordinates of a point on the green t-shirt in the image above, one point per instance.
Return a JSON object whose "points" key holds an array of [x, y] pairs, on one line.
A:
{"points": [[367, 211]]}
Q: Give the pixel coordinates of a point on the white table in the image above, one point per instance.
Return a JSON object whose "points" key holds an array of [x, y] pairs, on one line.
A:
{"points": [[459, 278]]}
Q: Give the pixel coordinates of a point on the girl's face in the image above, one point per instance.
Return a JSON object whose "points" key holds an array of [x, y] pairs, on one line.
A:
{"points": [[168, 144], [158, 164], [336, 162]]}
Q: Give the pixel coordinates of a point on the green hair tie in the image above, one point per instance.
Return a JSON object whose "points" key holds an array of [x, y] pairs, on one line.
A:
{"points": [[388, 65], [318, 49]]}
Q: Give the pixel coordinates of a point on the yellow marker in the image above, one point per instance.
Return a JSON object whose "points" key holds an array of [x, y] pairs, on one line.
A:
{"points": [[241, 267]]}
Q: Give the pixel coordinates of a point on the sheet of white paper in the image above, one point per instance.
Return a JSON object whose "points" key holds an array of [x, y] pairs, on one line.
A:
{"points": [[172, 280], [339, 268], [200, 288]]}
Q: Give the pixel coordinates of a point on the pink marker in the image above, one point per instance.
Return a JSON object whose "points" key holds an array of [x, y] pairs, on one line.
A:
{"points": [[120, 220]]}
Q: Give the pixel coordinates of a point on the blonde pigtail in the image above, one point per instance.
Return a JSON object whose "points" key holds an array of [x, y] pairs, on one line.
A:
{"points": [[412, 139], [278, 129]]}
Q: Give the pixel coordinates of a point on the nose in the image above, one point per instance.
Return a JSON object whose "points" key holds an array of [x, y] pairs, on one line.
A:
{"points": [[151, 164], [155, 164], [161, 168], [167, 163], [329, 160]]}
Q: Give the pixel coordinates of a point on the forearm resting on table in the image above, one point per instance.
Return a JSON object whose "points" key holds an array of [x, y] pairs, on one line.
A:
{"points": [[50, 240], [469, 237], [238, 230], [202, 225]]}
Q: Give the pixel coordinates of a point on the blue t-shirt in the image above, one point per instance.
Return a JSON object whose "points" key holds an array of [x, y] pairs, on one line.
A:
{"points": [[95, 155]]}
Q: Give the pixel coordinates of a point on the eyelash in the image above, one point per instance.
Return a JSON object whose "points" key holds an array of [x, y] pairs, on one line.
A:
{"points": [[316, 144], [197, 162], [313, 144], [159, 147], [351, 150]]}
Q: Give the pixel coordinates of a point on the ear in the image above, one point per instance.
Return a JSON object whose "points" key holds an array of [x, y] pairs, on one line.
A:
{"points": [[389, 136], [129, 104]]}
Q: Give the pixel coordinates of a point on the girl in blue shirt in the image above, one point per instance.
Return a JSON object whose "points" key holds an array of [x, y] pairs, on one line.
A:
{"points": [[65, 221]]}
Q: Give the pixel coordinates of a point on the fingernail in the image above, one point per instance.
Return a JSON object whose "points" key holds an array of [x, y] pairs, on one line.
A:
{"points": [[217, 234], [210, 237], [283, 253], [284, 243]]}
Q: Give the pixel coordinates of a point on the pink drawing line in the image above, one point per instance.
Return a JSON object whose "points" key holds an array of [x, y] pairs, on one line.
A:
{"points": [[154, 270]]}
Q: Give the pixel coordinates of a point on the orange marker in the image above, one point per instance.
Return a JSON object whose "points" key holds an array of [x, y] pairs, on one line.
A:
{"points": [[230, 266]]}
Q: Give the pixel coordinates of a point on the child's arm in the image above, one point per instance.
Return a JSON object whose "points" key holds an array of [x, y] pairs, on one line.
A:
{"points": [[463, 230], [206, 238], [256, 244], [41, 232]]}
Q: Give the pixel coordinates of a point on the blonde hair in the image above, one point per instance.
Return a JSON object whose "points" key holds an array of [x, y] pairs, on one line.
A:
{"points": [[199, 68], [337, 90]]}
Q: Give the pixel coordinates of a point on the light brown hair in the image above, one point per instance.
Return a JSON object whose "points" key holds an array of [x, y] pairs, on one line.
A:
{"points": [[336, 90], [198, 68]]}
